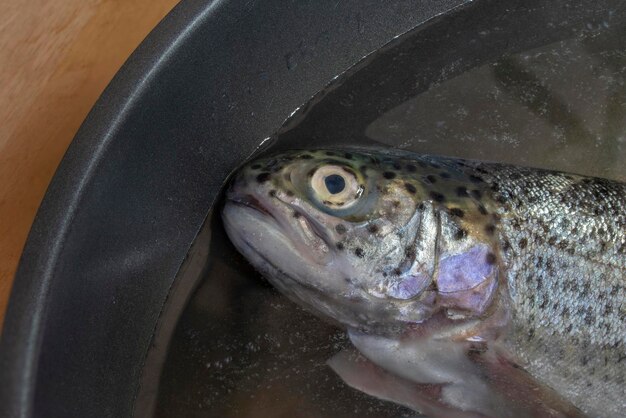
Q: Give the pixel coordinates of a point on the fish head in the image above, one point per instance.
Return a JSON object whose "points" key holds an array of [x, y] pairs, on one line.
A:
{"points": [[352, 236]]}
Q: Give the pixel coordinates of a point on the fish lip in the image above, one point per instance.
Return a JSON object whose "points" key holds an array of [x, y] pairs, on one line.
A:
{"points": [[251, 202]]}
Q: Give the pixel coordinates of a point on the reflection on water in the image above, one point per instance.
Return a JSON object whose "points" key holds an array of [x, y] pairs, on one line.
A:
{"points": [[555, 98], [560, 106]]}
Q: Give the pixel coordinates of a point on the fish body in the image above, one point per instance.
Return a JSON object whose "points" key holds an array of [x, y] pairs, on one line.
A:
{"points": [[475, 289]]}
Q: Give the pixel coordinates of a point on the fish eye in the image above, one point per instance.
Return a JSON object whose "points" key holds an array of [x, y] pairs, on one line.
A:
{"points": [[336, 186]]}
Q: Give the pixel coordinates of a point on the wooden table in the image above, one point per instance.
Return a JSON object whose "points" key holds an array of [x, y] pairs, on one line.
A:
{"points": [[56, 57]]}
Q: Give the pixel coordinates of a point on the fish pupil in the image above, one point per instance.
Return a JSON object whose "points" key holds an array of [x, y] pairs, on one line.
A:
{"points": [[335, 183]]}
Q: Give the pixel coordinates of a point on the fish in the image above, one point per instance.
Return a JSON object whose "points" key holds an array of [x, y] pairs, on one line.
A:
{"points": [[467, 288]]}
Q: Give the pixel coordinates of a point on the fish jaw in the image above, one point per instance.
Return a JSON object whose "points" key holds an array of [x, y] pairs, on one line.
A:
{"points": [[281, 258]]}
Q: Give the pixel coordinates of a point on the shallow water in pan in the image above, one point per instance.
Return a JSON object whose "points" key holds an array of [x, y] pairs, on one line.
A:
{"points": [[452, 87]]}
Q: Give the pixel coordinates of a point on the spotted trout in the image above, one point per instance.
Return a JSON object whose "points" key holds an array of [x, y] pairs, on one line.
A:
{"points": [[468, 289]]}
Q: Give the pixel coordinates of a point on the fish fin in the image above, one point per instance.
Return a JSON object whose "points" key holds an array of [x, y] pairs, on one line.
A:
{"points": [[520, 389], [472, 378], [363, 375]]}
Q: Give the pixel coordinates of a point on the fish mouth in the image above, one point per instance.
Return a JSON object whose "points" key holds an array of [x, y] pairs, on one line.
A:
{"points": [[251, 202], [280, 213]]}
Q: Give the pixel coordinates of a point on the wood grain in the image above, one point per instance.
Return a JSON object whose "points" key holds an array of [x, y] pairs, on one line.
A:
{"points": [[56, 57]]}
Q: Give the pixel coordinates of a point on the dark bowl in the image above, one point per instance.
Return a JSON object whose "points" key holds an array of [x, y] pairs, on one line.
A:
{"points": [[199, 95]]}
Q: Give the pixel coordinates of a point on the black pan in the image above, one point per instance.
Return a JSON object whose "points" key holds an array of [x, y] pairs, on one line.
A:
{"points": [[199, 95]]}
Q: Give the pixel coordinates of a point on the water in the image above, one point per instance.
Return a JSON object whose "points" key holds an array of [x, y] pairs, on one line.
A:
{"points": [[554, 97]]}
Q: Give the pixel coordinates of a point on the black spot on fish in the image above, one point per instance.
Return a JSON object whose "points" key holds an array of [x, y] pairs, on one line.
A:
{"points": [[495, 187], [389, 175], [522, 243], [397, 166], [457, 212], [461, 191], [272, 193], [420, 206], [476, 194], [340, 228], [490, 229], [397, 272], [340, 246], [460, 234], [297, 214], [289, 193], [372, 228], [359, 252], [396, 203], [263, 177], [411, 168], [410, 188], [437, 197], [431, 179], [491, 258], [482, 209], [586, 290], [552, 240], [501, 199]]}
